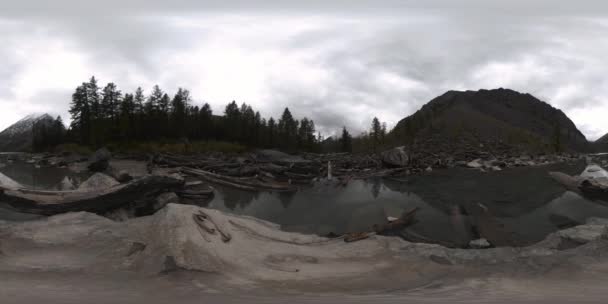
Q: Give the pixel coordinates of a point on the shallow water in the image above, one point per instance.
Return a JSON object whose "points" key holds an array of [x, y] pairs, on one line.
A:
{"points": [[523, 202]]}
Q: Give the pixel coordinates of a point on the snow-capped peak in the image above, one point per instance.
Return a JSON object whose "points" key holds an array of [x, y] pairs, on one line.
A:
{"points": [[25, 124]]}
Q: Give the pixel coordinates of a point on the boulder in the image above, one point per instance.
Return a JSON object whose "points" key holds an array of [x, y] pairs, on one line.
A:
{"points": [[66, 184], [100, 160], [98, 181], [479, 244], [396, 157], [165, 199], [475, 164], [123, 176], [594, 172]]}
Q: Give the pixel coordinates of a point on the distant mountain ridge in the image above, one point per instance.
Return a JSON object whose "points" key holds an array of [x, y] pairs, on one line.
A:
{"points": [[19, 136], [603, 140], [500, 118]]}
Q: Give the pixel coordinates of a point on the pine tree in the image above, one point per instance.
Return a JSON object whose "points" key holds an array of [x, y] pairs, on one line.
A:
{"points": [[272, 133], [287, 131], [81, 114], [206, 122], [346, 141], [376, 133], [110, 102], [179, 106]]}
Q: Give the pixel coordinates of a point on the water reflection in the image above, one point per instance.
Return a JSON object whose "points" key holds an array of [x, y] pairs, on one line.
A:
{"points": [[455, 206], [40, 178], [537, 207]]}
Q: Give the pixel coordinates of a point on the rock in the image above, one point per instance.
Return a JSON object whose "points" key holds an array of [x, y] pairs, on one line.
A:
{"points": [[8, 182], [98, 181], [429, 169], [166, 198], [100, 160], [396, 157], [475, 164], [123, 176], [479, 244], [594, 172], [66, 184]]}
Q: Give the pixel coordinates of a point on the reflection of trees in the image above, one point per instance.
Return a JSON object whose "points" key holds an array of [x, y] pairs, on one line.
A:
{"points": [[234, 198], [286, 198], [376, 186]]}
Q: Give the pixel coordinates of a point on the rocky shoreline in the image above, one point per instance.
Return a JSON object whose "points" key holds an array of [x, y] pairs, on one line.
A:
{"points": [[259, 255]]}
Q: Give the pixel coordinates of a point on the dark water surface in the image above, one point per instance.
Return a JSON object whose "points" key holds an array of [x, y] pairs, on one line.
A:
{"points": [[525, 202]]}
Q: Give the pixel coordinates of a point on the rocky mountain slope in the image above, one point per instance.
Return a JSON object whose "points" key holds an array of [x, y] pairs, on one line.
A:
{"points": [[18, 137], [601, 145], [496, 121]]}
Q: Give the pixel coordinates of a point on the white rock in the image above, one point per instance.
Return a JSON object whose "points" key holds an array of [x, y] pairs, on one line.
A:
{"points": [[66, 184], [8, 182], [98, 181], [594, 171], [479, 244], [475, 164]]}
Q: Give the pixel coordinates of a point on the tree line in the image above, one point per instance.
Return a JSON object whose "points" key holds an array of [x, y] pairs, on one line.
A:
{"points": [[103, 115]]}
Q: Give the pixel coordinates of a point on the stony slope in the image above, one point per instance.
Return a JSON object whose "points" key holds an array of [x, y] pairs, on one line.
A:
{"points": [[18, 137], [497, 120]]}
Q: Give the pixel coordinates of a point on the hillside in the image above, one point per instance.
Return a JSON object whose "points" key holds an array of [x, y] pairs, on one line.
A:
{"points": [[499, 120], [19, 137]]}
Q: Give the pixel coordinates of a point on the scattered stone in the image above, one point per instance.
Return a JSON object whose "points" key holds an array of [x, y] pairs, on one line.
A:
{"points": [[479, 244], [429, 169], [475, 164], [66, 184], [164, 199], [594, 172], [98, 181], [123, 176], [100, 160], [396, 157]]}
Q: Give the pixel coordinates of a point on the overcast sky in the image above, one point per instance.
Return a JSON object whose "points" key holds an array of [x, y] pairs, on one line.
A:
{"points": [[338, 62]]}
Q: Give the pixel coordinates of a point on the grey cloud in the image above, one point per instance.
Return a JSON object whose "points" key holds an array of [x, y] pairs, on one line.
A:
{"points": [[438, 45]]}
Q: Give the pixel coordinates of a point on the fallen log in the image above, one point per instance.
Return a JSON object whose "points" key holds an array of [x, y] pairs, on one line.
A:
{"points": [[99, 201], [239, 183], [394, 227], [589, 187]]}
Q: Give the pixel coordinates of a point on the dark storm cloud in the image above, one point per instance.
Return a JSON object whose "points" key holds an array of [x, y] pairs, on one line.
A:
{"points": [[338, 62]]}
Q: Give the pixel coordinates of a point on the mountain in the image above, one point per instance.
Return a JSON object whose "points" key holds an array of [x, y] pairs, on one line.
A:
{"points": [[498, 120], [603, 140], [19, 136]]}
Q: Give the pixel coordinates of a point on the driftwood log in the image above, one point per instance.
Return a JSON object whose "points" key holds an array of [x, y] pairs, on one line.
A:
{"points": [[591, 188], [395, 227], [248, 184], [99, 201]]}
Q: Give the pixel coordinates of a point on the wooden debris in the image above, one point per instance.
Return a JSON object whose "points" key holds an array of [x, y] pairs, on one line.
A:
{"points": [[247, 184], [356, 236], [145, 190], [394, 227]]}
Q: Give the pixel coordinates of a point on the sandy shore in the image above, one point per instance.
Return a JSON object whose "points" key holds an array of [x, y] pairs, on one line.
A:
{"points": [[85, 258]]}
